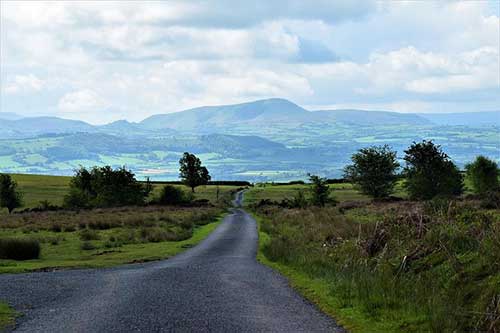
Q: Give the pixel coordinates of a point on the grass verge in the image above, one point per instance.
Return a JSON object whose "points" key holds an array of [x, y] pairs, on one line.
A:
{"points": [[7, 316], [318, 291], [69, 254], [417, 267]]}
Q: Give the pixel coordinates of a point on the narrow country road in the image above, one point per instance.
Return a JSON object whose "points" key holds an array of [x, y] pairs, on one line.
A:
{"points": [[217, 286]]}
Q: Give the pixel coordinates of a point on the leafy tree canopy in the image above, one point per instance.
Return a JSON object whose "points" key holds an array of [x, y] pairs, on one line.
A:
{"points": [[429, 172], [483, 174], [374, 171], [192, 173], [10, 198], [106, 187]]}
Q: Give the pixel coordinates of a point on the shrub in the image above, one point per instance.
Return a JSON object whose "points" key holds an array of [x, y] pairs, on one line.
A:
{"points": [[374, 171], [70, 228], [106, 187], [171, 195], [19, 249], [156, 235], [45, 205], [10, 198], [320, 190], [87, 246], [429, 172], [55, 227], [491, 200], [483, 174], [88, 235]]}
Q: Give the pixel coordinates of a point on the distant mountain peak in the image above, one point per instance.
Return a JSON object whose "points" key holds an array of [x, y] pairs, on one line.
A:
{"points": [[10, 116]]}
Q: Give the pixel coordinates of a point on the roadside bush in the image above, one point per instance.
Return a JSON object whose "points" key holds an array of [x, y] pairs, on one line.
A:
{"points": [[320, 191], [429, 172], [88, 235], [19, 249], [491, 200], [87, 246], [55, 227], [156, 235], [483, 174], [10, 198], [106, 187], [69, 228], [374, 171], [171, 195]]}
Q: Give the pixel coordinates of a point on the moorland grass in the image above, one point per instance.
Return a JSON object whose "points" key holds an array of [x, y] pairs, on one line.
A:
{"points": [[404, 267], [7, 316], [107, 237]]}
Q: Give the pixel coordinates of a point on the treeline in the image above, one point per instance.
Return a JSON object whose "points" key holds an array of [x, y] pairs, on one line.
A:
{"points": [[104, 187], [212, 182]]}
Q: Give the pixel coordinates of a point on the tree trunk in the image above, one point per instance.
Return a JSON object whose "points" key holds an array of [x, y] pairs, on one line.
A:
{"points": [[192, 189]]}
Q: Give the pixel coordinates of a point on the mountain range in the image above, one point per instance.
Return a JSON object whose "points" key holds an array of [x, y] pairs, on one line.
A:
{"points": [[258, 115], [271, 139]]}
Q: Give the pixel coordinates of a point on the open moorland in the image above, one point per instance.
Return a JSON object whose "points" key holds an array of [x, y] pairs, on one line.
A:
{"points": [[389, 266], [105, 236]]}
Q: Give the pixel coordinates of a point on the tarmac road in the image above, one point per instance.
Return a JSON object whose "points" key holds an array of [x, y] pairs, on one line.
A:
{"points": [[217, 286]]}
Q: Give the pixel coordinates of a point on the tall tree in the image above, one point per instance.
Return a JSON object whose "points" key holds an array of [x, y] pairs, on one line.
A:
{"points": [[10, 198], [374, 171], [483, 174], [429, 172], [192, 173]]}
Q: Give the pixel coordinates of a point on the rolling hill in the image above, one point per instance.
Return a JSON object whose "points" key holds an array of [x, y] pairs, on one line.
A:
{"points": [[271, 139]]}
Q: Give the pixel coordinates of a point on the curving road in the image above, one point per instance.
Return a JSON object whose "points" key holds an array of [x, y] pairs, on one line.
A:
{"points": [[216, 286]]}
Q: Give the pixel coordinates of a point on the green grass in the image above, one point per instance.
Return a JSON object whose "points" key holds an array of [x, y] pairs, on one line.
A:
{"points": [[7, 316], [450, 281], [340, 192], [36, 188], [318, 291], [208, 192], [67, 253]]}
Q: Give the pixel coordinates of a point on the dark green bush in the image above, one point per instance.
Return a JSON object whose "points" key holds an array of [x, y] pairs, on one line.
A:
{"points": [[87, 246], [106, 187], [374, 171], [491, 200], [19, 249], [320, 191], [156, 235], [483, 174], [88, 235], [10, 197], [429, 172], [171, 195], [55, 227]]}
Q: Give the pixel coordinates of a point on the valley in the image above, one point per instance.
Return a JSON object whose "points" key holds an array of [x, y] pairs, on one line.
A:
{"points": [[266, 140]]}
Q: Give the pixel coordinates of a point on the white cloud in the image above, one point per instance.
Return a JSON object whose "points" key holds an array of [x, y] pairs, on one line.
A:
{"points": [[24, 84], [81, 101], [145, 57]]}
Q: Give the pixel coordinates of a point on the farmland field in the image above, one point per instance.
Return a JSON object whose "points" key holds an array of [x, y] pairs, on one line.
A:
{"points": [[37, 188]]}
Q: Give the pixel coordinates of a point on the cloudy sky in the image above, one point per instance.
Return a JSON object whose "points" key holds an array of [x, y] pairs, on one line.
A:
{"points": [[107, 60]]}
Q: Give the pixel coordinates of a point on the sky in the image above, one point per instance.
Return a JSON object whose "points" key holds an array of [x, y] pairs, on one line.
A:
{"points": [[101, 61]]}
